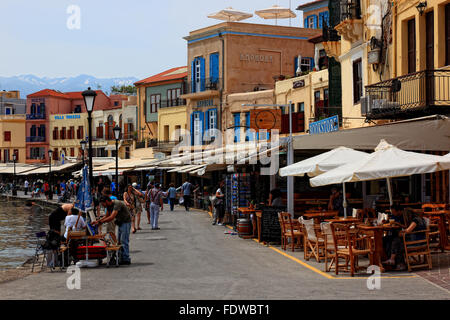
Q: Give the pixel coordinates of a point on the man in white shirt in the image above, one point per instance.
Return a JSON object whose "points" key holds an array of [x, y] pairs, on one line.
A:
{"points": [[76, 222], [26, 185]]}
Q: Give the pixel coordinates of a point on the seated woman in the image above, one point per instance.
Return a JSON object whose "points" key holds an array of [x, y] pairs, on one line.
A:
{"points": [[275, 199], [413, 223]]}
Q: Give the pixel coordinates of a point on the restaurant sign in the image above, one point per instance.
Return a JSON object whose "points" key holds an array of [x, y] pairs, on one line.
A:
{"points": [[298, 84], [324, 126]]}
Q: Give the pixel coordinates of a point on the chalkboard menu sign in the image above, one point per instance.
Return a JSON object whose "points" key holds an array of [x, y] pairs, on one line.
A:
{"points": [[270, 225]]}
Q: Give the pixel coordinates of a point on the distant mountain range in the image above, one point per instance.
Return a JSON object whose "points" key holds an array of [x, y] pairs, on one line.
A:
{"points": [[28, 84]]}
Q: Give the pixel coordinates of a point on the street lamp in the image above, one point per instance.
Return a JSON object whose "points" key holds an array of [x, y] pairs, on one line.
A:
{"points": [[421, 7], [117, 131], [14, 192], [83, 147], [89, 100], [50, 157]]}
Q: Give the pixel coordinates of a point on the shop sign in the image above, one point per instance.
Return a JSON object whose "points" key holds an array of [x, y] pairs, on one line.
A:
{"points": [[68, 117], [256, 58], [265, 119], [298, 84], [205, 103], [324, 126], [159, 156]]}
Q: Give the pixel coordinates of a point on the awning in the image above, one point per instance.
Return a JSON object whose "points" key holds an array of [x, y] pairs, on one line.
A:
{"points": [[184, 168], [422, 134], [112, 147], [144, 169], [19, 170], [111, 172]]}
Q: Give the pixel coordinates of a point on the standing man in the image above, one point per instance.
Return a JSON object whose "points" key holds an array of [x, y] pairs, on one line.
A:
{"points": [[147, 201], [118, 211], [187, 192], [156, 203], [26, 185]]}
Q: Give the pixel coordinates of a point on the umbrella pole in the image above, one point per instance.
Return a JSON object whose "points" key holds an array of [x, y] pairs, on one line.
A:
{"points": [[389, 185], [345, 200]]}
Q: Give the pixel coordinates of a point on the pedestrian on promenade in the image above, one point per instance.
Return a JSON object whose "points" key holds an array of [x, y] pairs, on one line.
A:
{"points": [[129, 197], [156, 203], [110, 226], [119, 213], [147, 201], [172, 193], [186, 188], [219, 205], [139, 200], [26, 184], [46, 190]]}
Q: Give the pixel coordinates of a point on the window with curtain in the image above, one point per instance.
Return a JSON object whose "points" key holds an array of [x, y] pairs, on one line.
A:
{"points": [[357, 81]]}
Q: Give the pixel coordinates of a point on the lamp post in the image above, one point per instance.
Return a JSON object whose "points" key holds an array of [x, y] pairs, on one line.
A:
{"points": [[14, 192], [83, 147], [89, 100], [50, 157], [117, 131]]}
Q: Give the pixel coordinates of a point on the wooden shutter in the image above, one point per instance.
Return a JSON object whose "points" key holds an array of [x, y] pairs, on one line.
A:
{"points": [[357, 81], [430, 40], [447, 34], [411, 46]]}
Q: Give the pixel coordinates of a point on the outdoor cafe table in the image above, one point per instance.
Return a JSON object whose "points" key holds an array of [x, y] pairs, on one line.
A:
{"points": [[378, 232], [319, 216], [443, 238], [344, 220]]}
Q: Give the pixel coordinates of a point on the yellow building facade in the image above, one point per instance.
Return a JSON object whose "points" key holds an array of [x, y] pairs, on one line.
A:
{"points": [[170, 121], [12, 140], [66, 132], [308, 94]]}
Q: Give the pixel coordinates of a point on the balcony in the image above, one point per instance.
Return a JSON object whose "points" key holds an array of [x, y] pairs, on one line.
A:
{"points": [[207, 87], [35, 139], [172, 103], [36, 116], [331, 42], [351, 25], [413, 95], [298, 123]]}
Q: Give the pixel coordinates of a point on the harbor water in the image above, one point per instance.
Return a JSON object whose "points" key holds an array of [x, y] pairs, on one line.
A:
{"points": [[18, 227]]}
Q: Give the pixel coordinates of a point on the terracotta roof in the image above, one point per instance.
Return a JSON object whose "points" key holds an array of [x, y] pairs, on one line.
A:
{"points": [[48, 92], [300, 7], [78, 94], [171, 74]]}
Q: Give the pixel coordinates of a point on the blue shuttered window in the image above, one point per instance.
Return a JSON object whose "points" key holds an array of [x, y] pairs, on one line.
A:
{"points": [[214, 67], [315, 22], [248, 133], [321, 20], [193, 76], [197, 135], [237, 127], [202, 74], [305, 23], [295, 65]]}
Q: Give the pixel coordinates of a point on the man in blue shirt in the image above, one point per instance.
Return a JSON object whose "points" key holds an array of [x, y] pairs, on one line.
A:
{"points": [[186, 188]]}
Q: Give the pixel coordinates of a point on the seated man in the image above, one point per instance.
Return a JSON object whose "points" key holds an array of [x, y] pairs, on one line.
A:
{"points": [[413, 223], [74, 221]]}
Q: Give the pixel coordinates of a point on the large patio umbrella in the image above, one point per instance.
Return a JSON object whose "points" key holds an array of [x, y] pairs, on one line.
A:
{"points": [[230, 14], [276, 12], [323, 162], [386, 162]]}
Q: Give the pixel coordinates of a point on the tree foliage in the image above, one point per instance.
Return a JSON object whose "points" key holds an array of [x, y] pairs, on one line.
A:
{"points": [[130, 90]]}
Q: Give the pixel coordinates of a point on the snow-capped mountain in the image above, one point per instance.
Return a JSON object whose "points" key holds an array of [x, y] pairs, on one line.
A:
{"points": [[28, 84]]}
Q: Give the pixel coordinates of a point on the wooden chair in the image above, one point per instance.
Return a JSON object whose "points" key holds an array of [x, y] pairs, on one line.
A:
{"points": [[417, 249], [314, 242], [347, 244], [434, 234], [289, 230], [329, 245], [427, 207]]}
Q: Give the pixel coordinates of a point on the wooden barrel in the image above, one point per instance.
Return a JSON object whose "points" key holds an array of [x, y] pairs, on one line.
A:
{"points": [[244, 227]]}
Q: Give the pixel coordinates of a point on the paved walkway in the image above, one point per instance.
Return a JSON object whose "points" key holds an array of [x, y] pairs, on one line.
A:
{"points": [[191, 259]]}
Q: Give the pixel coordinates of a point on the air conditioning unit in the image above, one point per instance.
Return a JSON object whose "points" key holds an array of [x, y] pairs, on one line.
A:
{"points": [[366, 105]]}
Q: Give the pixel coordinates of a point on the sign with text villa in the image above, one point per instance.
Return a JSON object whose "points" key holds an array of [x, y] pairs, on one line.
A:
{"points": [[324, 126]]}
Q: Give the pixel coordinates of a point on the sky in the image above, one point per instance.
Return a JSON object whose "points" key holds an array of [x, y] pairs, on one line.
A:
{"points": [[116, 38]]}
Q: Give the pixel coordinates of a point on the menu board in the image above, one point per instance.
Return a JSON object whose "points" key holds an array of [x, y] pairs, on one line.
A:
{"points": [[270, 224]]}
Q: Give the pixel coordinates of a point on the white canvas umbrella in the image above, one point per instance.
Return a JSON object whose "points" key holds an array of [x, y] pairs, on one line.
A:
{"points": [[385, 163], [276, 12], [230, 14], [323, 162]]}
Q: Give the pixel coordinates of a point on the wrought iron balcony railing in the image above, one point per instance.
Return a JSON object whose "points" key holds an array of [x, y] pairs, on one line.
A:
{"points": [[415, 94], [172, 103], [36, 116], [35, 139], [350, 9], [204, 84]]}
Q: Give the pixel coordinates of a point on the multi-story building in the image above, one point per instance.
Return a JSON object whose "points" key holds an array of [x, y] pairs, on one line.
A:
{"points": [[315, 13], [162, 110], [55, 120], [231, 58], [12, 126]]}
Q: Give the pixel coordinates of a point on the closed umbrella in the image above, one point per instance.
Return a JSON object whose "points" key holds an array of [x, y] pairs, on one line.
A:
{"points": [[230, 14], [386, 162], [276, 12]]}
